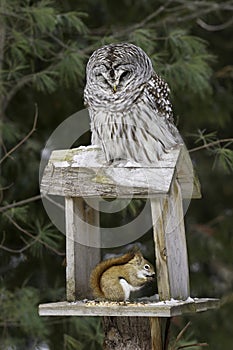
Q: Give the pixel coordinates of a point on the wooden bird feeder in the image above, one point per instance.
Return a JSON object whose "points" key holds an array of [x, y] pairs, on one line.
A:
{"points": [[82, 176]]}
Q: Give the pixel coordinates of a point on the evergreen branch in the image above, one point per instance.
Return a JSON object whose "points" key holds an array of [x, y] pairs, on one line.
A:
{"points": [[37, 239], [11, 14], [23, 140], [227, 5], [26, 201], [6, 188], [192, 16], [21, 82], [142, 23], [58, 41], [153, 15], [216, 27], [200, 7], [8, 15], [11, 250], [208, 145], [182, 16], [20, 203]]}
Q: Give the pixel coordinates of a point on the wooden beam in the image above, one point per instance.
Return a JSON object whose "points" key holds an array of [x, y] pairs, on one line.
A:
{"points": [[170, 245], [82, 245], [83, 172], [70, 251], [176, 247], [168, 308], [162, 273]]}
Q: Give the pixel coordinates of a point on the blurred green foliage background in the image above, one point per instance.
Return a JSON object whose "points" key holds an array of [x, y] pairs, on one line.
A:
{"points": [[44, 47]]}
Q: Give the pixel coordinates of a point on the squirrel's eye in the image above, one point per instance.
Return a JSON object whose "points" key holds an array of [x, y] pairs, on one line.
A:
{"points": [[147, 267]]}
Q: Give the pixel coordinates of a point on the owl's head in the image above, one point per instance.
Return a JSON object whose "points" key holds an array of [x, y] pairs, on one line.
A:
{"points": [[116, 68]]}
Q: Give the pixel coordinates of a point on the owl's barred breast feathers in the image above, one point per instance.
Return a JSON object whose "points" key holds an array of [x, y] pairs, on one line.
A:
{"points": [[129, 106]]}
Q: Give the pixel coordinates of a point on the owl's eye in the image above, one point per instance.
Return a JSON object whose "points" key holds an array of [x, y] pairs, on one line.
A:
{"points": [[98, 74], [124, 75], [99, 70]]}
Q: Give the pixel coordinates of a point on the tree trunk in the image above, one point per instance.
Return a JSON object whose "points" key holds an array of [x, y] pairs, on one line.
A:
{"points": [[127, 333]]}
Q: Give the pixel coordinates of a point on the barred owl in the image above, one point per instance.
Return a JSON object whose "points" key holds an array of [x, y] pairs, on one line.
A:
{"points": [[129, 107]]}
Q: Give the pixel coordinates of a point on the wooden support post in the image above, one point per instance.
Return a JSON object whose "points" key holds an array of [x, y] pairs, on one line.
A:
{"points": [[176, 247], [156, 333], [82, 233], [170, 252], [70, 251], [170, 245]]}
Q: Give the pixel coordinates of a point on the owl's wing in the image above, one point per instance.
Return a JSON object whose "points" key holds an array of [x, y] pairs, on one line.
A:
{"points": [[159, 93]]}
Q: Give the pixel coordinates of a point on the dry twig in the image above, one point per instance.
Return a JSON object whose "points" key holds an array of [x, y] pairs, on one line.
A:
{"points": [[208, 145], [35, 238], [23, 140], [20, 203]]}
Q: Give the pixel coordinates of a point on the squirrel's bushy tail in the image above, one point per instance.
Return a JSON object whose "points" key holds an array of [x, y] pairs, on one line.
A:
{"points": [[102, 267]]}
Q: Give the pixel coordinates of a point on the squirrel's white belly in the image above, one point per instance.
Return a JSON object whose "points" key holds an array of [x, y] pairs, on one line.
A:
{"points": [[127, 288]]}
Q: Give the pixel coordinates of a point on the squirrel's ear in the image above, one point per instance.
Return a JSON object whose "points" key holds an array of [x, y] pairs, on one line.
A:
{"points": [[138, 257], [135, 249]]}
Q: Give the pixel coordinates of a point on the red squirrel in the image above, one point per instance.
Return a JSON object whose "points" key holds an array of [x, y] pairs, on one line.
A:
{"points": [[115, 278]]}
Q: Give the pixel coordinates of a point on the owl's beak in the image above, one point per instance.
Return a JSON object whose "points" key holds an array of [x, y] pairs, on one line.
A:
{"points": [[114, 88]]}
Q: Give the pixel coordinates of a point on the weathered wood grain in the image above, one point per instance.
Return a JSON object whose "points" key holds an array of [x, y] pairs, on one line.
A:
{"points": [[82, 246], [156, 333], [156, 309], [162, 273], [127, 333], [84, 172], [170, 245], [176, 247], [70, 257]]}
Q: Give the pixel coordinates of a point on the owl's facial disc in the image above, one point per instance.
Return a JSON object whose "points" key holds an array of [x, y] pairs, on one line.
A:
{"points": [[115, 78]]}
